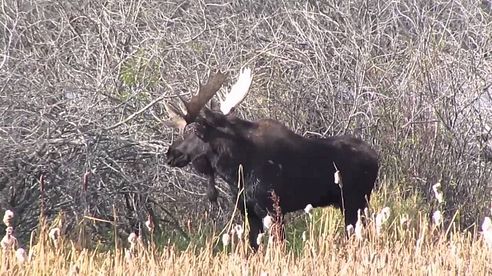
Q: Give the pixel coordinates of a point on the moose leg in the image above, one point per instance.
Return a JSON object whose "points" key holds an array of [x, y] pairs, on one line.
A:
{"points": [[202, 165], [212, 192], [352, 205], [255, 228]]}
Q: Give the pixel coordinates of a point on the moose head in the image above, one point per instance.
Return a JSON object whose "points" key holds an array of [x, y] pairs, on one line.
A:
{"points": [[191, 148]]}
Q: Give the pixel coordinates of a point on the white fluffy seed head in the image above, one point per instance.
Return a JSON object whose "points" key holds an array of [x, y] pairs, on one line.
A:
{"points": [[8, 218], [226, 239], [267, 222], [54, 234], [438, 192], [150, 224], [359, 226], [9, 231], [338, 178], [350, 230], [20, 255], [239, 230], [308, 209], [487, 224], [8, 242], [437, 217], [386, 213], [132, 238]]}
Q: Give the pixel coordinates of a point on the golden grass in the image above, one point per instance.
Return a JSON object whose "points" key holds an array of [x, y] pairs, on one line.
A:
{"points": [[413, 247]]}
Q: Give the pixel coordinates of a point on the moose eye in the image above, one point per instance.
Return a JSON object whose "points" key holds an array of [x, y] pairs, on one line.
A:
{"points": [[190, 129]]}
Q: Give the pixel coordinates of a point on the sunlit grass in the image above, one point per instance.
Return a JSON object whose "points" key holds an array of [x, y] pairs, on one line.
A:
{"points": [[396, 239]]}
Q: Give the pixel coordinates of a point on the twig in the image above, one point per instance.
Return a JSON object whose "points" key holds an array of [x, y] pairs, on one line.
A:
{"points": [[137, 113]]}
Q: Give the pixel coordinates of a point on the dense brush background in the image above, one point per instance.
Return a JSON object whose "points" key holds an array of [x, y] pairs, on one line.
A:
{"points": [[413, 78]]}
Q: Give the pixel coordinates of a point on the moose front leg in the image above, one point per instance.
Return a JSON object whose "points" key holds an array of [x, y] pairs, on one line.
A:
{"points": [[202, 165], [212, 192], [255, 228]]}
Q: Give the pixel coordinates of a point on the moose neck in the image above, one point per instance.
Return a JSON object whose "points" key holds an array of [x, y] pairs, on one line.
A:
{"points": [[231, 150]]}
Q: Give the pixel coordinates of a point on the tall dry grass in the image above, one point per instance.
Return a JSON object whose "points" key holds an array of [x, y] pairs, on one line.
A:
{"points": [[391, 242]]}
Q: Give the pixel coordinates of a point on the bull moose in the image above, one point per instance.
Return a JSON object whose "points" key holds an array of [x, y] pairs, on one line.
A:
{"points": [[271, 158]]}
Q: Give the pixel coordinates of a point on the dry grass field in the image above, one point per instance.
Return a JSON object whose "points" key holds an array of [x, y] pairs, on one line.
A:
{"points": [[391, 242]]}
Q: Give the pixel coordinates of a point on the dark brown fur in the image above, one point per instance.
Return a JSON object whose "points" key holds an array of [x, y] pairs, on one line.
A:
{"points": [[299, 170]]}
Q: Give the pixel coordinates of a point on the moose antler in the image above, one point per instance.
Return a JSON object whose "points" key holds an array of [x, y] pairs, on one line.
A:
{"points": [[205, 93], [179, 118], [238, 92], [176, 116]]}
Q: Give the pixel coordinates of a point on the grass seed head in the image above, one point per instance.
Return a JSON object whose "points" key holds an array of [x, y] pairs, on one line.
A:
{"points": [[487, 224], [350, 230], [487, 231], [226, 239], [438, 192], [150, 224], [338, 178], [267, 222], [20, 255], [359, 226], [386, 213], [8, 218], [239, 230], [437, 218], [132, 239], [308, 209], [54, 234], [8, 242], [74, 270]]}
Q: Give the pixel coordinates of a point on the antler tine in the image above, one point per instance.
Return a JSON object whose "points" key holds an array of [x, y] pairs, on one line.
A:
{"points": [[238, 91], [205, 93], [176, 117]]}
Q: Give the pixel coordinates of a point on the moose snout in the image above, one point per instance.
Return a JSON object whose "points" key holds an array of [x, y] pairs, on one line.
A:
{"points": [[178, 161]]}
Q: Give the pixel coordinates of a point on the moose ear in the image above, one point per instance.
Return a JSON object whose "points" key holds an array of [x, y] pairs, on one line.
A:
{"points": [[176, 118]]}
